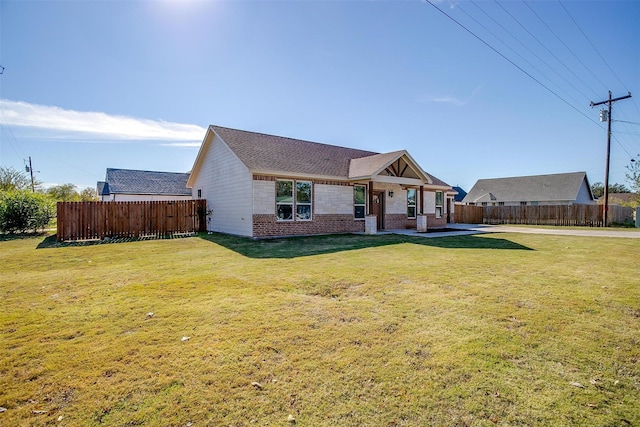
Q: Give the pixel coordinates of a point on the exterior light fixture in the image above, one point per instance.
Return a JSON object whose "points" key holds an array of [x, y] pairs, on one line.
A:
{"points": [[390, 193]]}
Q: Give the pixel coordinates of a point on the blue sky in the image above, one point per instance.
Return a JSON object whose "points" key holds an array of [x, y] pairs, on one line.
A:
{"points": [[89, 85]]}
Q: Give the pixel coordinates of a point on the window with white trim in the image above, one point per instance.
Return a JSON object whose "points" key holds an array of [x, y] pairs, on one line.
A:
{"points": [[411, 203], [284, 200], [359, 201], [289, 201], [303, 200], [439, 204]]}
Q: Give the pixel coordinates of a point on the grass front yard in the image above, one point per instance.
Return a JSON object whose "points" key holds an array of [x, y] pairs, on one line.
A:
{"points": [[504, 329]]}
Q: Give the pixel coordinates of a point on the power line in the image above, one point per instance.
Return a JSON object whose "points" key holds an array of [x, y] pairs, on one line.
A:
{"points": [[624, 121], [510, 48], [570, 51], [512, 63], [592, 45], [545, 48]]}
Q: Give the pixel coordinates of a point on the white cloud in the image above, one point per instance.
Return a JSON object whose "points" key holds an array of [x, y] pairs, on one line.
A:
{"points": [[95, 124], [182, 144], [459, 102]]}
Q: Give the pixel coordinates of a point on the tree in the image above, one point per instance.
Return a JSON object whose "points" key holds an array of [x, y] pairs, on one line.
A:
{"points": [[633, 176], [23, 210], [597, 188], [12, 179], [64, 193], [88, 195]]}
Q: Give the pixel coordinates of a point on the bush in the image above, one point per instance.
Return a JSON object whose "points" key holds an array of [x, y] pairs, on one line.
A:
{"points": [[22, 211]]}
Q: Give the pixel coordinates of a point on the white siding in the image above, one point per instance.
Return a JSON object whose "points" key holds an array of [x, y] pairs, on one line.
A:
{"points": [[264, 197], [226, 184], [584, 196], [333, 199], [430, 202], [398, 203]]}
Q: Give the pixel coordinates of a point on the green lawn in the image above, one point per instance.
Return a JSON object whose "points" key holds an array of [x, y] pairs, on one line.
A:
{"points": [[504, 329]]}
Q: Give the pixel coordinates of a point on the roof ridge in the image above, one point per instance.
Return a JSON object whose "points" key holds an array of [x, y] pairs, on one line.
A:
{"points": [[142, 170], [534, 176], [294, 139]]}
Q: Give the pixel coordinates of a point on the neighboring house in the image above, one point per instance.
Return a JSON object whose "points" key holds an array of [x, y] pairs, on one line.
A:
{"points": [[554, 189], [461, 194], [260, 185], [621, 199], [125, 185]]}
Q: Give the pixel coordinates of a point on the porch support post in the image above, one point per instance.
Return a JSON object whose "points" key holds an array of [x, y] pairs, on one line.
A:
{"points": [[370, 198], [421, 218]]}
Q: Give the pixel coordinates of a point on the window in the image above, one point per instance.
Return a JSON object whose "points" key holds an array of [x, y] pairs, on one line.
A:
{"points": [[500, 203], [199, 193], [303, 200], [411, 203], [523, 203], [359, 201], [439, 199], [287, 202], [284, 200]]}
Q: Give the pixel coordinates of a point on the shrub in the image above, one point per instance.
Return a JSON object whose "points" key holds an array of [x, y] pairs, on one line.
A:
{"points": [[22, 210]]}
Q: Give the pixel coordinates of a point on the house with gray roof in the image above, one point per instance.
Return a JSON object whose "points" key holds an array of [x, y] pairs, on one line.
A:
{"points": [[260, 185], [554, 189], [125, 185]]}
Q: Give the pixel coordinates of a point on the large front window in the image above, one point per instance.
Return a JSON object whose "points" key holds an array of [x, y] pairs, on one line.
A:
{"points": [[359, 201], [288, 201], [411, 203]]}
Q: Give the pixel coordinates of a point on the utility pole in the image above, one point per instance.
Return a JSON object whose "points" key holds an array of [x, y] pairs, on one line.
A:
{"points": [[33, 188], [609, 102]]}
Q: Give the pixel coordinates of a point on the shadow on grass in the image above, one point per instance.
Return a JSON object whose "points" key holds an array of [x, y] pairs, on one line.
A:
{"points": [[5, 237], [293, 247], [51, 241]]}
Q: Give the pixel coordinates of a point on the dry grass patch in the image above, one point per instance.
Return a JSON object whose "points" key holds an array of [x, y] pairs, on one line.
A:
{"points": [[509, 329]]}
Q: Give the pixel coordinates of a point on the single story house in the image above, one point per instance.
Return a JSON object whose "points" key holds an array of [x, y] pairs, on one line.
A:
{"points": [[127, 185], [260, 185], [554, 189]]}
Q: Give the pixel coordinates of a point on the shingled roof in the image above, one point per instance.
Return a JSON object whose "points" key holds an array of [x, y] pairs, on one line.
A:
{"points": [[554, 187], [263, 153], [129, 181]]}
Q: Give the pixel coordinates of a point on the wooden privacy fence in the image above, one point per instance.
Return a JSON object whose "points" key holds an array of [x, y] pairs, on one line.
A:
{"points": [[97, 220], [568, 215], [468, 214]]}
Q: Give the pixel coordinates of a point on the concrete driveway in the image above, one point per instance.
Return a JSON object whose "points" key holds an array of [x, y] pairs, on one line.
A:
{"points": [[467, 229]]}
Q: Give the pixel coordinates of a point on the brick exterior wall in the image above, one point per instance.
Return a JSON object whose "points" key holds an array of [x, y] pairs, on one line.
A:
{"points": [[433, 222], [400, 222], [267, 226]]}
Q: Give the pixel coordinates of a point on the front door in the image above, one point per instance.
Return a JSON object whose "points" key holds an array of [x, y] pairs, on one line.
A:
{"points": [[377, 208]]}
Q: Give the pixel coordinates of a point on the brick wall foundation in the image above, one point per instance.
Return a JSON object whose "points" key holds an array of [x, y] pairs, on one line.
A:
{"points": [[398, 222], [401, 222], [267, 226]]}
